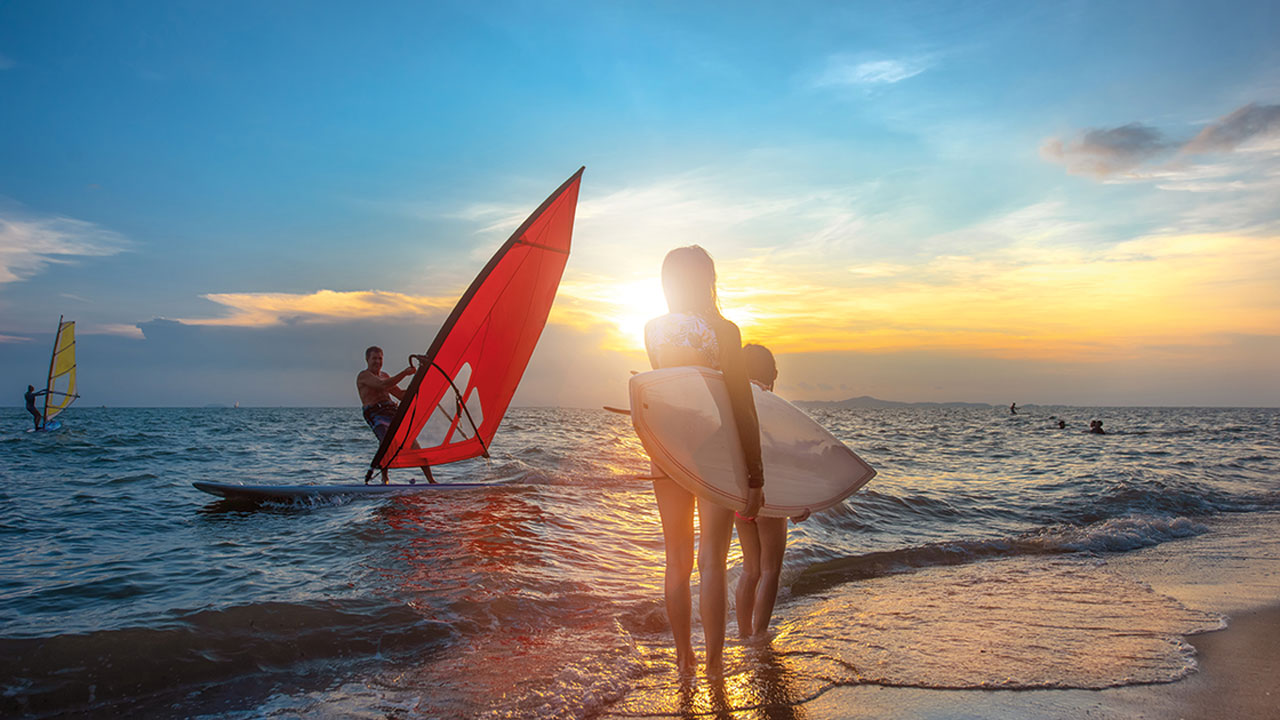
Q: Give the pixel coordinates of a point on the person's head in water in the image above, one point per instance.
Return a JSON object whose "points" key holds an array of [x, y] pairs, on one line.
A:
{"points": [[761, 366], [689, 281]]}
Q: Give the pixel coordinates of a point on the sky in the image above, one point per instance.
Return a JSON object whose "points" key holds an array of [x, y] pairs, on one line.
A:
{"points": [[1043, 203]]}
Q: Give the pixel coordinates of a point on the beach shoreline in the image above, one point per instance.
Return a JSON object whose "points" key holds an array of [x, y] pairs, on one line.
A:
{"points": [[1233, 569], [1238, 673]]}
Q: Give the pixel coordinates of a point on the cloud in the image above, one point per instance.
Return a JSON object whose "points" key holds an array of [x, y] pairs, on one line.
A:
{"points": [[1106, 152], [1230, 132], [322, 306], [28, 245], [1129, 150], [120, 329], [843, 70]]}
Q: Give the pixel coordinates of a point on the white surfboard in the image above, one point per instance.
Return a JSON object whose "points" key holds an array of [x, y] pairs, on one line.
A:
{"points": [[685, 423]]}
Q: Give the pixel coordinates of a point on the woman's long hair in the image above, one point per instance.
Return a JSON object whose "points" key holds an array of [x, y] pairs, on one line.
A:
{"points": [[689, 281]]}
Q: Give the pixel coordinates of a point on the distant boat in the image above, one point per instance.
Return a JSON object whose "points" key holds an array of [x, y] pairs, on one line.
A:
{"points": [[465, 381], [60, 390]]}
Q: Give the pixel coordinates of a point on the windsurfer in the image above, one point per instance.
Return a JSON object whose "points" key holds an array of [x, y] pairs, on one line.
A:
{"points": [[376, 389], [30, 396], [695, 333]]}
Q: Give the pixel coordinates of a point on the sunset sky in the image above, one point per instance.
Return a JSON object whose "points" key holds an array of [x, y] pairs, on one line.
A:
{"points": [[1055, 203]]}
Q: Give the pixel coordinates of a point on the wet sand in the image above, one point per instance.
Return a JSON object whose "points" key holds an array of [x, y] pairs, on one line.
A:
{"points": [[1234, 571], [1238, 679]]}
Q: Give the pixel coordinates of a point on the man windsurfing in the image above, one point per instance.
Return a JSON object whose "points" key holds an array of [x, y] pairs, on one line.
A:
{"points": [[30, 396], [376, 389]]}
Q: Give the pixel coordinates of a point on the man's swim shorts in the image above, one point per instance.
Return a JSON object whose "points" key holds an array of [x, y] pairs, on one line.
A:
{"points": [[379, 416]]}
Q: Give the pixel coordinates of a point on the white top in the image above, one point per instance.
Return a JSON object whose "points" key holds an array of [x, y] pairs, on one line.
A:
{"points": [[683, 330]]}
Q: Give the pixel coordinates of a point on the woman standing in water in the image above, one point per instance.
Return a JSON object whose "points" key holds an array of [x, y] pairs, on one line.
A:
{"points": [[763, 539], [695, 333]]}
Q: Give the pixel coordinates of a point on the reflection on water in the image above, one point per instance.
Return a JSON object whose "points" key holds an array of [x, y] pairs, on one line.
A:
{"points": [[759, 682], [975, 559]]}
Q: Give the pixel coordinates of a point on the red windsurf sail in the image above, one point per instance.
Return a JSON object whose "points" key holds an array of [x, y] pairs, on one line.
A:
{"points": [[464, 383]]}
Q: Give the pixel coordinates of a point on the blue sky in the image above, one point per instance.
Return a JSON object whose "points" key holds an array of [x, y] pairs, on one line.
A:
{"points": [[1055, 203]]}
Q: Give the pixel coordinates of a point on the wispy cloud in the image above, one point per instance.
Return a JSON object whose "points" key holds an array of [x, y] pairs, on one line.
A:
{"points": [[322, 306], [28, 245], [120, 329], [846, 70]]}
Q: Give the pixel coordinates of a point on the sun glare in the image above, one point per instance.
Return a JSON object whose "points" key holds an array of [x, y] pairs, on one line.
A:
{"points": [[634, 304]]}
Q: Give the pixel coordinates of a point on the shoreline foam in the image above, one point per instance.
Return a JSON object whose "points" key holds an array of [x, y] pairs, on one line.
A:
{"points": [[1233, 569]]}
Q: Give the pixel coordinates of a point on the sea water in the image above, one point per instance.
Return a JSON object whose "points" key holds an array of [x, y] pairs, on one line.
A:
{"points": [[980, 557]]}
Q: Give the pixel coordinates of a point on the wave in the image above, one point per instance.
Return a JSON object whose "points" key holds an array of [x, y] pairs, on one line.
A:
{"points": [[141, 670], [1112, 535]]}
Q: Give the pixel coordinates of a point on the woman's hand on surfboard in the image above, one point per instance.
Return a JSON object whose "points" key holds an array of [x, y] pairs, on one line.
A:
{"points": [[755, 500]]}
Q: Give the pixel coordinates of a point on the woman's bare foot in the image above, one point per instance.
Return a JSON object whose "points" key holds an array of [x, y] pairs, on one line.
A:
{"points": [[715, 665], [686, 662]]}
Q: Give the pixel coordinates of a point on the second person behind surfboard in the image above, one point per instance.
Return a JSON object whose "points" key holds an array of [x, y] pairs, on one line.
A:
{"points": [[695, 333], [763, 539]]}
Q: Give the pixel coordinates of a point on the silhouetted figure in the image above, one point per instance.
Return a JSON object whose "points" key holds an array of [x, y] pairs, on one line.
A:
{"points": [[1013, 408], [30, 396], [1062, 424], [1095, 427]]}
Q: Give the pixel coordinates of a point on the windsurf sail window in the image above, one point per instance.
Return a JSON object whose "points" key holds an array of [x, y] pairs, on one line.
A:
{"points": [[465, 381], [62, 371]]}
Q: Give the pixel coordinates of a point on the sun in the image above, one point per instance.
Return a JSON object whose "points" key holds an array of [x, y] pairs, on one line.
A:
{"points": [[632, 305]]}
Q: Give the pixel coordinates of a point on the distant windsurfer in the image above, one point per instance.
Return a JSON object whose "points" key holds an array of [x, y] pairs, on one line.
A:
{"points": [[1013, 408], [30, 396], [376, 389]]}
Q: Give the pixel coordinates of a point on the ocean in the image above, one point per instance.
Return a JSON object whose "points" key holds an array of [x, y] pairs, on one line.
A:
{"points": [[988, 553]]}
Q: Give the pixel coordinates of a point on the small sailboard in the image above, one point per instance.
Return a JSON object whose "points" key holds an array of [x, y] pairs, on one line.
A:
{"points": [[683, 418], [50, 426], [289, 493]]}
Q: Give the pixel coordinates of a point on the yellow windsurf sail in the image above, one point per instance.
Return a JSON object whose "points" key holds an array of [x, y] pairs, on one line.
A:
{"points": [[62, 371]]}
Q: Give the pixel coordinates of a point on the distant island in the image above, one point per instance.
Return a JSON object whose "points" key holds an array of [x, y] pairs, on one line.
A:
{"points": [[866, 401]]}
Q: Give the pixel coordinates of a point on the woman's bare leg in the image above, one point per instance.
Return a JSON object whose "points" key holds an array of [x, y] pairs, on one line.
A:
{"points": [[745, 595], [773, 543], [713, 551], [676, 506]]}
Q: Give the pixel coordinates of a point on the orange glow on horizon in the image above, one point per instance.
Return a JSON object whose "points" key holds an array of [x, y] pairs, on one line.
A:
{"points": [[1033, 301]]}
